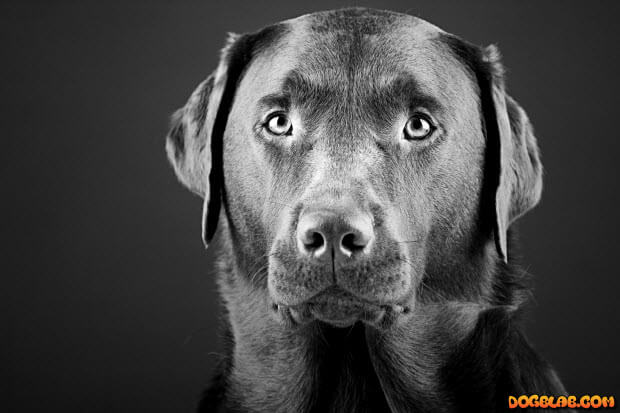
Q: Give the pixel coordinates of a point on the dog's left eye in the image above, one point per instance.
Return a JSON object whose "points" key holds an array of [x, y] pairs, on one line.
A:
{"points": [[279, 124], [418, 127]]}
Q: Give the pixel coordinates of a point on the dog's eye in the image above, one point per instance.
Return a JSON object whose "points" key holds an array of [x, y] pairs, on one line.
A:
{"points": [[418, 127], [279, 124]]}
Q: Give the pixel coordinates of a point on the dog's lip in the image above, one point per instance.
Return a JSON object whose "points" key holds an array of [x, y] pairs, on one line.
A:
{"points": [[342, 309]]}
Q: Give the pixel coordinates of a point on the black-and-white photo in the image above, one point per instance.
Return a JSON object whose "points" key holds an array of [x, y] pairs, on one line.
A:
{"points": [[292, 207]]}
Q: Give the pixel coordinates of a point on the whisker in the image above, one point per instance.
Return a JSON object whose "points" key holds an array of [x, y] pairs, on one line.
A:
{"points": [[424, 284], [406, 261], [259, 261], [280, 203], [257, 273]]}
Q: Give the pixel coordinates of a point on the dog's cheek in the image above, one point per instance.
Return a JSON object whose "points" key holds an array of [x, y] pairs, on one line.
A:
{"points": [[244, 191], [453, 228], [456, 237], [409, 218]]}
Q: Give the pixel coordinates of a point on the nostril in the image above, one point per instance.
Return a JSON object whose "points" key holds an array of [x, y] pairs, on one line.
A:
{"points": [[314, 241], [351, 243]]}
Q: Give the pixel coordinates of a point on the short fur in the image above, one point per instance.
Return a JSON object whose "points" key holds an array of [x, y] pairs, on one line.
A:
{"points": [[438, 299]]}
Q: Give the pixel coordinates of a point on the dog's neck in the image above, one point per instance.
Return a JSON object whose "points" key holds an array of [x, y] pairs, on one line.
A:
{"points": [[444, 355]]}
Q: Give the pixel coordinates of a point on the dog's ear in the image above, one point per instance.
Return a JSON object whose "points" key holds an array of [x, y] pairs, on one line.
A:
{"points": [[194, 142], [519, 173], [513, 171]]}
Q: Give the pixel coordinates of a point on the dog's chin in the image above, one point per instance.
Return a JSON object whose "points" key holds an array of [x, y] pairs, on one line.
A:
{"points": [[339, 308]]}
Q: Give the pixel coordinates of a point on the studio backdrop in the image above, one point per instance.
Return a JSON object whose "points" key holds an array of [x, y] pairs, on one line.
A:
{"points": [[108, 300]]}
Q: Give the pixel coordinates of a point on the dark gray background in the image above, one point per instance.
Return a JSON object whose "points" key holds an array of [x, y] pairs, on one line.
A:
{"points": [[108, 294]]}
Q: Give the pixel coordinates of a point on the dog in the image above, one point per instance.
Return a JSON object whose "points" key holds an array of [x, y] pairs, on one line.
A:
{"points": [[365, 168]]}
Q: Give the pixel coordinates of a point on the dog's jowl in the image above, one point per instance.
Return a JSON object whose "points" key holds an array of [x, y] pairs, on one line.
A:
{"points": [[360, 172]]}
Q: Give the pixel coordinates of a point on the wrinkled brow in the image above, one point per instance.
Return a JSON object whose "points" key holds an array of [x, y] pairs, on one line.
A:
{"points": [[404, 92], [295, 87], [399, 92]]}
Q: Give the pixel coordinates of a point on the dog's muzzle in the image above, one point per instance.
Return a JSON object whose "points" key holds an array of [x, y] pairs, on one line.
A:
{"points": [[338, 264]]}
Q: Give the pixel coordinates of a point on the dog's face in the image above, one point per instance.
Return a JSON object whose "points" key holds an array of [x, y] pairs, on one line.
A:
{"points": [[355, 162], [360, 155]]}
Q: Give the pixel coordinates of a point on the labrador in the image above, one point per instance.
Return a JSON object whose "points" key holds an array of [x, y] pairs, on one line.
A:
{"points": [[365, 168]]}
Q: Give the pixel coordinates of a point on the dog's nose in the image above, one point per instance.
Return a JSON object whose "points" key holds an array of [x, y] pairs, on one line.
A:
{"points": [[321, 233]]}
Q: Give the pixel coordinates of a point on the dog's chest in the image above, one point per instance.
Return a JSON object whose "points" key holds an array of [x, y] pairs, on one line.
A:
{"points": [[346, 380]]}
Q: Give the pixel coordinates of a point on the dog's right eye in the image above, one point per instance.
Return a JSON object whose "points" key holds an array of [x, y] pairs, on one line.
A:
{"points": [[418, 127], [279, 124]]}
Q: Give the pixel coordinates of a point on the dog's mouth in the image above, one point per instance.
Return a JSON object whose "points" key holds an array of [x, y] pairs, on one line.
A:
{"points": [[340, 308]]}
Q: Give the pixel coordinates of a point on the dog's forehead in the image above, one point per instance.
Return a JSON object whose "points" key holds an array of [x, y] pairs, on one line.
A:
{"points": [[364, 21], [359, 43], [353, 51]]}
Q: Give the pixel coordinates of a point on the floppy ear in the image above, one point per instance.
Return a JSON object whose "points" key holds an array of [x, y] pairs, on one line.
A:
{"points": [[189, 140], [513, 172], [518, 166], [194, 142]]}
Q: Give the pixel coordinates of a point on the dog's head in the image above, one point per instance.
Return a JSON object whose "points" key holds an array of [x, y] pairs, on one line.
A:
{"points": [[359, 156]]}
